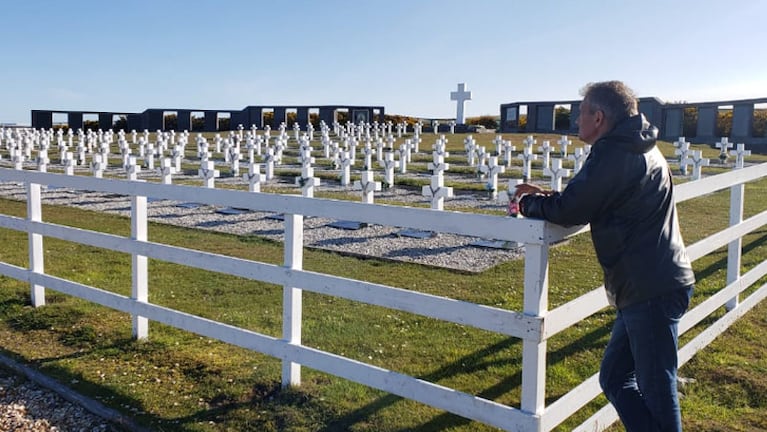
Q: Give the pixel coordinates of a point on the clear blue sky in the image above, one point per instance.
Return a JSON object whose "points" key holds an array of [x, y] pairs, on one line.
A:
{"points": [[405, 55]]}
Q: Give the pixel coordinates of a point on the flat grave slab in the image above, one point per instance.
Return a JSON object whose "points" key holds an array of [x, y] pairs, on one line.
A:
{"points": [[418, 234], [495, 244], [232, 211], [348, 225], [189, 205]]}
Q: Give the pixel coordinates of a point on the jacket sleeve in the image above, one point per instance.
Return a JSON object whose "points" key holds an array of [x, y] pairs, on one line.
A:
{"points": [[600, 183]]}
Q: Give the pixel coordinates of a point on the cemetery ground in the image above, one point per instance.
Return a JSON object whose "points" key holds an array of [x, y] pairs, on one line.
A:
{"points": [[179, 381]]}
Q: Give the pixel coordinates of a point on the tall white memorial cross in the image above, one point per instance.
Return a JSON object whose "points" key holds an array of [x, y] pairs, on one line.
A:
{"points": [[368, 186], [166, 170], [682, 149], [564, 142], [740, 153], [698, 161], [254, 177], [556, 172], [546, 150], [460, 97], [208, 173], [578, 157], [491, 170]]}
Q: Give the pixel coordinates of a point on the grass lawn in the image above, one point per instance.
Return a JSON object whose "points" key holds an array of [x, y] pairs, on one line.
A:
{"points": [[177, 381]]}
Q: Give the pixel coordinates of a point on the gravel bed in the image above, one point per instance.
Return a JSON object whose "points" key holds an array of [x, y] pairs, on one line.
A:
{"points": [[384, 242], [26, 407]]}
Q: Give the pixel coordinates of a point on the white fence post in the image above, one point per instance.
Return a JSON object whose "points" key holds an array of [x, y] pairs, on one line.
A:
{"points": [[140, 271], [536, 299], [292, 297], [35, 214], [734, 247]]}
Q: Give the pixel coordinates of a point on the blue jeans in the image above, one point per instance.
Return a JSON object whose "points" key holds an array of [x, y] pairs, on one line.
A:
{"points": [[638, 372]]}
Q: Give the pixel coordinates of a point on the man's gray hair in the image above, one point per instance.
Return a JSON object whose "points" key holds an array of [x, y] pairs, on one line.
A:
{"points": [[614, 98]]}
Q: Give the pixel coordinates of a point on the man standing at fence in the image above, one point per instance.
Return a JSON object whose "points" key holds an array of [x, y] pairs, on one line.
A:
{"points": [[624, 190]]}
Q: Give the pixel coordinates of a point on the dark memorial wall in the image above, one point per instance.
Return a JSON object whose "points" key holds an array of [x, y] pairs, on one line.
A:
{"points": [[260, 116]]}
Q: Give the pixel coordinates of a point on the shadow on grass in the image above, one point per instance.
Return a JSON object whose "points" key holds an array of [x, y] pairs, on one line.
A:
{"points": [[473, 362], [721, 263]]}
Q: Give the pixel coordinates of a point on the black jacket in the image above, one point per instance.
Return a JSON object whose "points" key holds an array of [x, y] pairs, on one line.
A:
{"points": [[624, 191]]}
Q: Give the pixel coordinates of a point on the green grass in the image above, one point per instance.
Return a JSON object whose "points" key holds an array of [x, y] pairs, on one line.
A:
{"points": [[180, 381]]}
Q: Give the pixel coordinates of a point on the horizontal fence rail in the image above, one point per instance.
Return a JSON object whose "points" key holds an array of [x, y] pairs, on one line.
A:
{"points": [[534, 325]]}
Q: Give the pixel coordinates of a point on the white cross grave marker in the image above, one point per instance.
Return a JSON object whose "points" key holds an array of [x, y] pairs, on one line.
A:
{"points": [[345, 163], [546, 150], [723, 145], [436, 188], [564, 142], [132, 169], [578, 157], [556, 172], [698, 161], [166, 169], [491, 170], [388, 163], [740, 153], [208, 173], [470, 144], [254, 177], [368, 186], [498, 141], [307, 181], [97, 165], [682, 149], [69, 163], [527, 157]]}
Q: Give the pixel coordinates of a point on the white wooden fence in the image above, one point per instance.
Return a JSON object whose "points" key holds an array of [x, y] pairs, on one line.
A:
{"points": [[535, 324]]}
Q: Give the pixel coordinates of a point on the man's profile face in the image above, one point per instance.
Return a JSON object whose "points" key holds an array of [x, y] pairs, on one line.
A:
{"points": [[588, 123]]}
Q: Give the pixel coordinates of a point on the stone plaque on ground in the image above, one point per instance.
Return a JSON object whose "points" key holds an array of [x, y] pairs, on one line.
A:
{"points": [[189, 205], [413, 233], [496, 244], [348, 225], [231, 211]]}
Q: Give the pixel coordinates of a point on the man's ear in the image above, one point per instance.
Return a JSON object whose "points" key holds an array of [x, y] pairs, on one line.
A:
{"points": [[599, 117]]}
